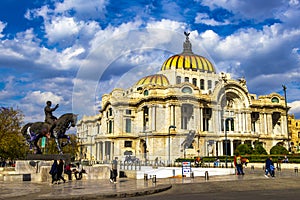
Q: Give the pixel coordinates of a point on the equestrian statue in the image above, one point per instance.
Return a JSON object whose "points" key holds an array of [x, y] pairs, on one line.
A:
{"points": [[52, 127]]}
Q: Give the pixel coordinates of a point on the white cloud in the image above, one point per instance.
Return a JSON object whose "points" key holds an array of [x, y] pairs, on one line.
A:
{"points": [[8, 90], [295, 107], [92, 9], [40, 98], [63, 29], [205, 19], [254, 9], [2, 26]]}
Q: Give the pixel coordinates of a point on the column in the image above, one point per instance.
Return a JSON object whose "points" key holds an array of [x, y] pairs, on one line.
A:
{"points": [[265, 124], [201, 119], [231, 148], [196, 117], [270, 124], [248, 122], [153, 118]]}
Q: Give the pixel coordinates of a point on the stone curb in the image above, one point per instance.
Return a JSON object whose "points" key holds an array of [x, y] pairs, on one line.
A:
{"points": [[132, 193]]}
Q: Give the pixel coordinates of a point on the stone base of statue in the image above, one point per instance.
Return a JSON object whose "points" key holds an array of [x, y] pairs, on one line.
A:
{"points": [[36, 169]]}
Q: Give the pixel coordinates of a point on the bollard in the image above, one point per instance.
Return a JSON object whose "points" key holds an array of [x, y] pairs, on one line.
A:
{"points": [[154, 179], [174, 172], [296, 170], [192, 175], [145, 177], [252, 167], [206, 175]]}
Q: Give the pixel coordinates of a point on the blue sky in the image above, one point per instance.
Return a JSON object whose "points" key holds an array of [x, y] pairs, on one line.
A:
{"points": [[73, 51]]}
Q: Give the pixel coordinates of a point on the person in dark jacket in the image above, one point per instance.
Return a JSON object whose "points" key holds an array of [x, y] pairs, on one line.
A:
{"points": [[270, 169], [53, 171], [60, 170]]}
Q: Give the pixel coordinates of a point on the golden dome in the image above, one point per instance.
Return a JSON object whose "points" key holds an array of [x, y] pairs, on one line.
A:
{"points": [[187, 60], [157, 79]]}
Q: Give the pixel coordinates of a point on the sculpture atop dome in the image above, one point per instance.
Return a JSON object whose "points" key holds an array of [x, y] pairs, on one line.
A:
{"points": [[187, 46]]}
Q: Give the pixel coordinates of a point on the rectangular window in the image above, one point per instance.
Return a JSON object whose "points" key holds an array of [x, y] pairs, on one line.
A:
{"points": [[184, 123], [128, 112], [128, 126], [202, 84], [209, 86], [178, 80], [128, 143], [110, 126], [194, 81]]}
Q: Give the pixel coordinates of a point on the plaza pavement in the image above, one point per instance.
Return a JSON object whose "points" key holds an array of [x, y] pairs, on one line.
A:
{"points": [[97, 189]]}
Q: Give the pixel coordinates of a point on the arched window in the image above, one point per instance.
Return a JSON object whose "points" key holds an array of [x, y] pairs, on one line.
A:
{"points": [[202, 84], [186, 79], [209, 86], [146, 93], [187, 90], [275, 100], [178, 80], [194, 81]]}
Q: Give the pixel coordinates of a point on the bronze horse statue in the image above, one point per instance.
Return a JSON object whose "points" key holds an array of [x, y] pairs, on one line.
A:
{"points": [[34, 131]]}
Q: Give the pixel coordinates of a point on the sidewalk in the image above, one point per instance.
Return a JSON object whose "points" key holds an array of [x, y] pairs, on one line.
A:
{"points": [[92, 189]]}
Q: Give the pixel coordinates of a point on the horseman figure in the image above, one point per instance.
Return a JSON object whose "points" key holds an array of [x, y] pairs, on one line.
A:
{"points": [[49, 117], [51, 127]]}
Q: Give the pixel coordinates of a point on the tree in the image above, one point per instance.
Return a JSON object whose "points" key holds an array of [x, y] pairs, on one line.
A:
{"points": [[71, 149], [243, 149], [12, 142], [278, 149], [259, 149]]}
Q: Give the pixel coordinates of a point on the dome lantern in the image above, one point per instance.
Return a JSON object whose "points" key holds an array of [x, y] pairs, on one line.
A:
{"points": [[187, 60]]}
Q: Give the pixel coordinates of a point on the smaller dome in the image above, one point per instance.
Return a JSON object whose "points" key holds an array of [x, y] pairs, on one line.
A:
{"points": [[157, 79]]}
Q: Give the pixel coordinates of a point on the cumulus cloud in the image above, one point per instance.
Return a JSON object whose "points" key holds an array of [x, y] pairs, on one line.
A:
{"points": [[92, 9], [40, 97], [2, 26], [205, 19], [63, 29], [82, 35], [255, 9], [295, 107]]}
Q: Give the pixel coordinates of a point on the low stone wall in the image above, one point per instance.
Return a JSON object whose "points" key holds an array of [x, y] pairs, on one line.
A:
{"points": [[38, 171]]}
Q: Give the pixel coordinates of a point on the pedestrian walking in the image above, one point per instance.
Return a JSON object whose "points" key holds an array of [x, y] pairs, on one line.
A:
{"points": [[60, 170], [114, 170], [270, 168], [53, 171], [238, 164]]}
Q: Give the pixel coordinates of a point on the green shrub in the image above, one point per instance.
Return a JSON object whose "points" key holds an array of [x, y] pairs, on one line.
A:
{"points": [[243, 149], [278, 150], [259, 150]]}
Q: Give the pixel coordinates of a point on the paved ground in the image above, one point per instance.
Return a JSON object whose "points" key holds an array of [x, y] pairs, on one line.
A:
{"points": [[97, 189]]}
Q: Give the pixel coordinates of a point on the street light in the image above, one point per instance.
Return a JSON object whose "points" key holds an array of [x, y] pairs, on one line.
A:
{"points": [[286, 113], [169, 158], [225, 128]]}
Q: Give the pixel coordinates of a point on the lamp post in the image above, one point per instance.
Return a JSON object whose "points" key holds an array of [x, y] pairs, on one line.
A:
{"points": [[169, 157], [225, 128], [286, 113]]}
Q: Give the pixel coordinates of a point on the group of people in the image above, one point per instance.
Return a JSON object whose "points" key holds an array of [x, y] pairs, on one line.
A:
{"points": [[57, 170], [239, 161]]}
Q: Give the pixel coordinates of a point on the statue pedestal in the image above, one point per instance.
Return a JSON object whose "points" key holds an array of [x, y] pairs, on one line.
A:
{"points": [[37, 170]]}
